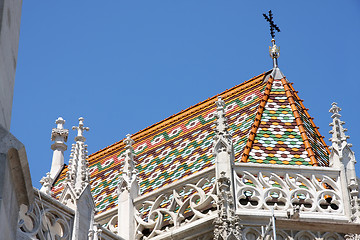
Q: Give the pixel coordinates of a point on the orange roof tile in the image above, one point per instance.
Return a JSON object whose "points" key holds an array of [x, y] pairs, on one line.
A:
{"points": [[181, 144]]}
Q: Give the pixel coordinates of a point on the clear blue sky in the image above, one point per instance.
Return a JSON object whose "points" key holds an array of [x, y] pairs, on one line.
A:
{"points": [[124, 65]]}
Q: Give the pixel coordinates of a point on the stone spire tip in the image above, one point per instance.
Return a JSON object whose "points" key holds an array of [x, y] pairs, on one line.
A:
{"points": [[80, 130], [334, 109], [128, 141]]}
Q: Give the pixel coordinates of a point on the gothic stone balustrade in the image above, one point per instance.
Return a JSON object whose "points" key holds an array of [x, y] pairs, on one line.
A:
{"points": [[45, 219], [255, 233], [184, 208], [293, 191]]}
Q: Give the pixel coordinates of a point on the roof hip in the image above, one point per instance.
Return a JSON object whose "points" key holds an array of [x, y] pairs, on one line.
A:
{"points": [[299, 122], [256, 124]]}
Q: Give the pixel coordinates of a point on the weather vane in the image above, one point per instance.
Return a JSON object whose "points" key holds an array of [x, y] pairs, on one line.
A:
{"points": [[273, 50]]}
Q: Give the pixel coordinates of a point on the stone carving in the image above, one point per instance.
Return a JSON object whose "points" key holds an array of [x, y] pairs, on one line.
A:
{"points": [[112, 225], [42, 220], [95, 232], [59, 135], [352, 236], [46, 183], [254, 233], [227, 224], [342, 155], [129, 180], [128, 190], [222, 145], [267, 190], [174, 209], [78, 174]]}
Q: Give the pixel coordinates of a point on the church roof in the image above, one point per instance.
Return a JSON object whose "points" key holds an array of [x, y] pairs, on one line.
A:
{"points": [[267, 120]]}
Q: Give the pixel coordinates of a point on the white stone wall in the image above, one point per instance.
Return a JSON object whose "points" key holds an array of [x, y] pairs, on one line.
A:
{"points": [[10, 16]]}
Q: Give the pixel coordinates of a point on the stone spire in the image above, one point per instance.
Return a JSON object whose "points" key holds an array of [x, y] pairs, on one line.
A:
{"points": [[338, 138], [223, 147], [129, 172], [227, 224], [78, 175], [128, 190], [59, 135], [344, 158], [77, 190]]}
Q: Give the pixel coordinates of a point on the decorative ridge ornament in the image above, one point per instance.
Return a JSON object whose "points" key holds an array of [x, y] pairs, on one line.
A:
{"points": [[273, 50]]}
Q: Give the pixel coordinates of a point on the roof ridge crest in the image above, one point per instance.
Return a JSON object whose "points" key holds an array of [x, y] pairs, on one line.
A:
{"points": [[257, 121], [299, 122], [309, 117]]}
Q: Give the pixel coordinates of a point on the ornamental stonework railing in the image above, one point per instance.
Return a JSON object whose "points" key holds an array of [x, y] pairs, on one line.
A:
{"points": [[46, 218], [255, 233], [175, 206], [287, 189]]}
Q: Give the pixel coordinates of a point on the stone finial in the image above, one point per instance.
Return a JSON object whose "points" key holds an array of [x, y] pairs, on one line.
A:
{"points": [[59, 134], [80, 130], [221, 123], [129, 171], [78, 174], [129, 142], [338, 138], [60, 123], [222, 138]]}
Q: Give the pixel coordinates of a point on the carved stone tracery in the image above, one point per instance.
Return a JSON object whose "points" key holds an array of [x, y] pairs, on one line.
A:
{"points": [[174, 209], [227, 223], [266, 190], [42, 220]]}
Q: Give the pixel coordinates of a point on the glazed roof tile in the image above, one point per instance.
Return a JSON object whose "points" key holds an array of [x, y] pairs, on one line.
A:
{"points": [[261, 121]]}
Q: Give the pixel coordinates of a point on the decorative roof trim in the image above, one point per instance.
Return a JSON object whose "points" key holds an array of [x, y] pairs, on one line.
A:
{"points": [[107, 151], [310, 118], [257, 121], [299, 122], [277, 74]]}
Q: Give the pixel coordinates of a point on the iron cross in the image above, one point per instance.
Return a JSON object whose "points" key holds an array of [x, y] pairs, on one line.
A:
{"points": [[272, 24]]}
